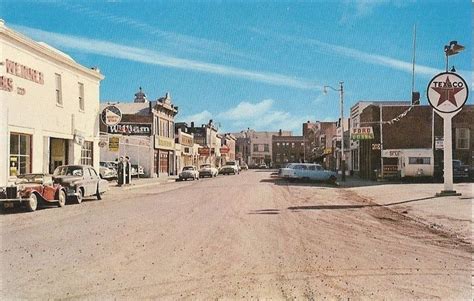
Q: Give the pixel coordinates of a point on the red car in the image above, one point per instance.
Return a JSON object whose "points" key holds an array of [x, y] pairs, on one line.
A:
{"points": [[33, 190]]}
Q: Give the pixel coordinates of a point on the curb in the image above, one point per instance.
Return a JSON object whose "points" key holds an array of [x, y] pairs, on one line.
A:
{"points": [[146, 184]]}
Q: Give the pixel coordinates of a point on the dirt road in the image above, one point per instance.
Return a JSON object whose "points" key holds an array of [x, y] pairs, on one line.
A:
{"points": [[243, 236]]}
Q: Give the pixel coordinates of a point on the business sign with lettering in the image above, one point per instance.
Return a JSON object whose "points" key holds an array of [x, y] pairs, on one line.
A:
{"points": [[114, 143], [362, 133], [126, 128], [111, 115], [391, 153]]}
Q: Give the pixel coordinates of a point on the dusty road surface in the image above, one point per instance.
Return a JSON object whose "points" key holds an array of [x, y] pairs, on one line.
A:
{"points": [[244, 236]]}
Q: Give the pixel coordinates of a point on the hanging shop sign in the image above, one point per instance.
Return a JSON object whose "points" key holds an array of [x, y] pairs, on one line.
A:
{"points": [[224, 150], [204, 151], [111, 115], [126, 128], [78, 138], [362, 133]]}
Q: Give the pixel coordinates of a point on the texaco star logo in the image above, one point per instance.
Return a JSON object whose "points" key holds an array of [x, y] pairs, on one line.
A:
{"points": [[447, 92]]}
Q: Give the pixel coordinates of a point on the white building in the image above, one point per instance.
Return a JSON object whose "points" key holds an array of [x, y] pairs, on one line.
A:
{"points": [[48, 108]]}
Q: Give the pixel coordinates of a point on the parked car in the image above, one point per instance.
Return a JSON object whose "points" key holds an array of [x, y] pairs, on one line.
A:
{"points": [[263, 166], [107, 171], [189, 172], [233, 163], [244, 166], [207, 170], [229, 169], [307, 171], [33, 190], [460, 170], [137, 170], [80, 181]]}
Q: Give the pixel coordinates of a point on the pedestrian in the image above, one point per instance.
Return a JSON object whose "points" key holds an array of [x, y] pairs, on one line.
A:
{"points": [[128, 170], [120, 172]]}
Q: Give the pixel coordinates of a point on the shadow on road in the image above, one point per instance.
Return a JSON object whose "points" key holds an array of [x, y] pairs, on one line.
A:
{"points": [[265, 211], [332, 207], [284, 182]]}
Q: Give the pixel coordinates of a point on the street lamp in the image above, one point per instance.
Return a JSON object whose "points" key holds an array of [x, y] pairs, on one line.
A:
{"points": [[452, 49], [343, 157]]}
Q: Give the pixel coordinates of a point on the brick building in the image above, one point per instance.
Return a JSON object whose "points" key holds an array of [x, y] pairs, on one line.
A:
{"points": [[318, 147], [288, 149], [398, 128]]}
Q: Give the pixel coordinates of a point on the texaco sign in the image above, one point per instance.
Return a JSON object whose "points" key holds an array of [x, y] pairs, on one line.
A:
{"points": [[447, 92]]}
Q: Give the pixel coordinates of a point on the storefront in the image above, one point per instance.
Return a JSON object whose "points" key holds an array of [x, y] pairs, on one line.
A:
{"points": [[164, 156], [48, 109]]}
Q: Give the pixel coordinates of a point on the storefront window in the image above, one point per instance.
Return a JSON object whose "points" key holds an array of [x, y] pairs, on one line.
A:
{"points": [[20, 154], [86, 153]]}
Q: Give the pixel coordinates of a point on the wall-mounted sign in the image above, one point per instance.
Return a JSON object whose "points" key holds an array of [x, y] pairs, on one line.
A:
{"points": [[391, 153], [114, 143], [204, 151], [164, 143], [78, 138], [25, 72], [376, 146], [224, 150], [111, 115], [362, 133], [130, 129]]}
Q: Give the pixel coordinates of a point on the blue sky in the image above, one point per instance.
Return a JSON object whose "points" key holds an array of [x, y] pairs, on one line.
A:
{"points": [[254, 64]]}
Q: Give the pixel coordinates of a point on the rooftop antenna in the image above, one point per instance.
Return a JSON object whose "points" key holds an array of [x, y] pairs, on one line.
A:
{"points": [[415, 96]]}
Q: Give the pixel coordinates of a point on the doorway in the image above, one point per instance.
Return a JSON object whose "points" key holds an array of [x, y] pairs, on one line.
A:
{"points": [[58, 153]]}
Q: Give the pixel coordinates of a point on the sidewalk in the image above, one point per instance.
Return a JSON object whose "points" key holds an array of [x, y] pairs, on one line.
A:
{"points": [[142, 182], [453, 214]]}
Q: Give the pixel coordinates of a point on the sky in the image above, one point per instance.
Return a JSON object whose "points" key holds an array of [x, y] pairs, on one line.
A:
{"points": [[254, 64]]}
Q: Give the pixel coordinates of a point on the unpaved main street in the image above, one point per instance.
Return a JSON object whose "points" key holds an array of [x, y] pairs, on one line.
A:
{"points": [[244, 236]]}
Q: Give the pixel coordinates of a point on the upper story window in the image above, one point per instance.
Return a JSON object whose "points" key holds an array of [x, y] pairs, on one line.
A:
{"points": [[255, 147], [266, 148], [81, 96], [462, 138], [59, 96]]}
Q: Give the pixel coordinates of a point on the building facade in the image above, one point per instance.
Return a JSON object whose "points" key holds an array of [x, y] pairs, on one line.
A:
{"points": [[145, 133], [288, 149], [318, 137], [227, 150], [207, 138], [49, 108]]}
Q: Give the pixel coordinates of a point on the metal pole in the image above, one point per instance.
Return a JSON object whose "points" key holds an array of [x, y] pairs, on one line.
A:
{"points": [[343, 157]]}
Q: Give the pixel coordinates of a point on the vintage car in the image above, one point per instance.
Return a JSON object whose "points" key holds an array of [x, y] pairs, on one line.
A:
{"points": [[33, 190], [229, 169], [207, 170], [244, 166], [107, 171], [80, 181], [307, 171], [189, 172]]}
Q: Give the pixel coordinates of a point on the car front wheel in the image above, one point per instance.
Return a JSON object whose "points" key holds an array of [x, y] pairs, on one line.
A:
{"points": [[61, 199], [80, 196], [32, 203]]}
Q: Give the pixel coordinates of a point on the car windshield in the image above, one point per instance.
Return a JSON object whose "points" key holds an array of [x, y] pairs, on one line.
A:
{"points": [[68, 171], [188, 168], [230, 163], [30, 178]]}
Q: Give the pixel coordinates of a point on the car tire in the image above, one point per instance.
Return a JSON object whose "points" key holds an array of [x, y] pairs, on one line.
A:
{"points": [[80, 196], [61, 198], [32, 203], [332, 180], [98, 195]]}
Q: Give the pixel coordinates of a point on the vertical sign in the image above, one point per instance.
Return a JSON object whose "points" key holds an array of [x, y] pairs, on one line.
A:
{"points": [[447, 93]]}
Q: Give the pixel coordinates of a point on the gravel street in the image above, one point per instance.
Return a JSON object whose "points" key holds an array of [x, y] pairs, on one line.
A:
{"points": [[243, 236]]}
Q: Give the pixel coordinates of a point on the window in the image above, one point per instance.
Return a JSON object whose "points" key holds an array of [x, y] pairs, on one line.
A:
{"points": [[20, 154], [419, 160], [266, 148], [255, 147], [292, 145], [86, 153], [278, 143], [462, 138], [59, 96], [81, 96]]}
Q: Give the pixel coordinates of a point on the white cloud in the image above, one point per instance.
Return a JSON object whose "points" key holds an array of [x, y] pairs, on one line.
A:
{"points": [[246, 110], [198, 118], [146, 56]]}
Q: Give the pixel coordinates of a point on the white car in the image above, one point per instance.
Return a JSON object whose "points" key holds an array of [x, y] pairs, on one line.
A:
{"points": [[107, 171], [189, 172], [207, 170], [307, 171]]}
